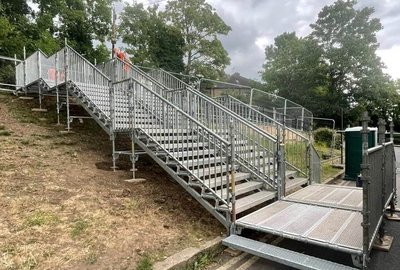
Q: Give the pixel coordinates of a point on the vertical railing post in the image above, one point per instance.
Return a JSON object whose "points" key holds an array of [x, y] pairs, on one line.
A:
{"points": [[16, 78], [391, 125], [57, 93], [381, 141], [232, 186], [112, 112], [24, 65], [131, 97], [381, 131], [280, 162], [302, 119], [251, 101], [366, 181], [67, 84], [39, 67]]}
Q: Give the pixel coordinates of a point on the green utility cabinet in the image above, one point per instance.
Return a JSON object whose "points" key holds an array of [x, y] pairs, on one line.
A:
{"points": [[353, 150]]}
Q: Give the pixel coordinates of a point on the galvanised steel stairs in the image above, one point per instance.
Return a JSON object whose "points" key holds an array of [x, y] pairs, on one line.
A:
{"points": [[227, 163]]}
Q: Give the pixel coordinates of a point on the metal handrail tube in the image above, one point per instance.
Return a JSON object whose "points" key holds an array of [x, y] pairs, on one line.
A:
{"points": [[261, 114]]}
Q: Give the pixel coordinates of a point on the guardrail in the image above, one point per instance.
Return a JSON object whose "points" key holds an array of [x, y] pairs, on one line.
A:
{"points": [[296, 144], [255, 149], [379, 183]]}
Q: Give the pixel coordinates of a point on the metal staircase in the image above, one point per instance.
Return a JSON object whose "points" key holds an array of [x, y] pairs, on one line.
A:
{"points": [[231, 158], [222, 160]]}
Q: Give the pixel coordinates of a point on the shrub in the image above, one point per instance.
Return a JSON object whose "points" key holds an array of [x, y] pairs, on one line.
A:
{"points": [[323, 136]]}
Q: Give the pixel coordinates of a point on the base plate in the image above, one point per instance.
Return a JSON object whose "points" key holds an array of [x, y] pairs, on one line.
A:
{"points": [[385, 245], [393, 217], [26, 98], [136, 180], [39, 110]]}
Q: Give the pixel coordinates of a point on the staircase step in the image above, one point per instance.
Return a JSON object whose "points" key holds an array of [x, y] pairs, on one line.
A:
{"points": [[203, 161], [162, 131], [183, 145], [174, 138], [191, 153], [281, 255], [204, 172], [243, 188], [215, 182], [252, 200]]}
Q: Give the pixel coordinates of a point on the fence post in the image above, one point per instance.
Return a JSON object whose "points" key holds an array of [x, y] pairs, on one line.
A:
{"points": [[366, 181], [381, 141], [381, 131], [57, 93], [281, 162], [391, 131], [39, 67], [24, 63], [66, 67], [232, 184]]}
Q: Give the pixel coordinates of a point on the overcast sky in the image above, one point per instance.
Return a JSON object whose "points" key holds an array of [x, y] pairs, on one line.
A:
{"points": [[255, 24]]}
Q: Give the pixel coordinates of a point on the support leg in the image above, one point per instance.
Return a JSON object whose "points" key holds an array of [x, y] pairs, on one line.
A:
{"points": [[114, 154], [133, 160], [58, 107], [67, 96]]}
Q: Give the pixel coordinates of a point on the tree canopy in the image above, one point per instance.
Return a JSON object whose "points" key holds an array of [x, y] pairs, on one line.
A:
{"points": [[200, 26], [151, 41], [335, 67]]}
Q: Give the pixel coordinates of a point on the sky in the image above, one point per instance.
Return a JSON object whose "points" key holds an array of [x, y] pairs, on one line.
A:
{"points": [[255, 24]]}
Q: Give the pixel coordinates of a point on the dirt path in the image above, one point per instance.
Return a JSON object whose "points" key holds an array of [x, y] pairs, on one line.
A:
{"points": [[62, 208]]}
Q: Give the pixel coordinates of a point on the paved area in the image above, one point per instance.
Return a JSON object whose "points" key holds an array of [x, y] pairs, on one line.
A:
{"points": [[379, 259]]}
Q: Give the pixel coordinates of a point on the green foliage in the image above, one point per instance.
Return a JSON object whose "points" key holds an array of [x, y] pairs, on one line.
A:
{"points": [[150, 40], [41, 218], [199, 25], [323, 136], [79, 227], [145, 264]]}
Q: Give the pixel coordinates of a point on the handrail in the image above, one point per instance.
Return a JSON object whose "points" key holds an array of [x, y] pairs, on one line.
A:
{"points": [[262, 146], [235, 116], [264, 115], [88, 62]]}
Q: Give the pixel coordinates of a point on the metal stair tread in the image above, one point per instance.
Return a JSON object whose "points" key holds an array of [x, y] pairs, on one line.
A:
{"points": [[191, 153], [208, 171], [203, 161], [252, 200], [294, 183], [239, 176], [281, 255], [243, 188]]}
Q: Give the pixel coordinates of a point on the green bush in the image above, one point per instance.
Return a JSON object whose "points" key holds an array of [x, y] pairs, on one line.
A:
{"points": [[323, 136]]}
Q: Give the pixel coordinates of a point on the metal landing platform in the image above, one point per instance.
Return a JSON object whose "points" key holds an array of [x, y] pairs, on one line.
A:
{"points": [[324, 225]]}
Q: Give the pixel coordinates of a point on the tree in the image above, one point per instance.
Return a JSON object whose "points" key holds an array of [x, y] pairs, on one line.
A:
{"points": [[79, 21], [348, 40], [335, 68], [200, 26], [151, 42], [293, 70]]}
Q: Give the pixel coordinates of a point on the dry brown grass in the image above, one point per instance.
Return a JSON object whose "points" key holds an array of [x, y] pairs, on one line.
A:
{"points": [[62, 208]]}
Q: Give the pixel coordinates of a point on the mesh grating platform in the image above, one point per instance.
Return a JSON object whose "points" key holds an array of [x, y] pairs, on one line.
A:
{"points": [[322, 225], [330, 195]]}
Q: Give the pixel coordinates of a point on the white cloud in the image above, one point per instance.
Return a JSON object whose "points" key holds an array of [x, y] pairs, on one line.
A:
{"points": [[391, 58]]}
